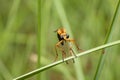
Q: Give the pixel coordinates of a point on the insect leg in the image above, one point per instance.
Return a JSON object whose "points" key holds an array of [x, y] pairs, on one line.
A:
{"points": [[71, 50], [57, 46], [73, 41], [72, 53], [56, 53], [64, 56]]}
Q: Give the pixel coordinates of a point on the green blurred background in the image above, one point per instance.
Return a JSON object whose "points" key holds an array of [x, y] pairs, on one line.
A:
{"points": [[89, 21]]}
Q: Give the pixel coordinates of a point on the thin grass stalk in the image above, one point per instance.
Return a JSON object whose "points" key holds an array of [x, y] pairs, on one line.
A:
{"points": [[5, 72], [38, 34], [103, 56], [30, 74], [45, 23], [5, 39]]}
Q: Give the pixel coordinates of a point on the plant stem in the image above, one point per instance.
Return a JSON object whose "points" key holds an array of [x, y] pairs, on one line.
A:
{"points": [[103, 56], [61, 61], [38, 33]]}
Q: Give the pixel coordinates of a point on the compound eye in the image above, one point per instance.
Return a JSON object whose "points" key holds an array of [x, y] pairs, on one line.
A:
{"points": [[67, 35]]}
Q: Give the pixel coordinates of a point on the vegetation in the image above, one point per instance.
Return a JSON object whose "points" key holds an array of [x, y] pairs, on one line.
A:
{"points": [[28, 38]]}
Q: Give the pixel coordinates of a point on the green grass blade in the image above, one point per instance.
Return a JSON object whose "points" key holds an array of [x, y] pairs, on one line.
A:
{"points": [[38, 33], [66, 25], [103, 56], [5, 38], [27, 75], [5, 72]]}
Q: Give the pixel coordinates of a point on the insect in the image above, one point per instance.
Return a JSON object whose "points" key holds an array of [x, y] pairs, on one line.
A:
{"points": [[63, 37]]}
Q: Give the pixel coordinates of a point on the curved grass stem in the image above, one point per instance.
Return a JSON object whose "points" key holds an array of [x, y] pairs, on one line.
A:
{"points": [[27, 75]]}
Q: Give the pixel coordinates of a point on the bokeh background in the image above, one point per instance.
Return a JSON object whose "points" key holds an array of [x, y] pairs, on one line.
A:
{"points": [[89, 21]]}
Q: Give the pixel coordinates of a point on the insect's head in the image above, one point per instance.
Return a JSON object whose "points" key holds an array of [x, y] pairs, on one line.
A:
{"points": [[62, 33]]}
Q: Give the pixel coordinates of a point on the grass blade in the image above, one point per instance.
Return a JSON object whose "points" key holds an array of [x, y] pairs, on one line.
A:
{"points": [[66, 25], [38, 34], [27, 75], [103, 56]]}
